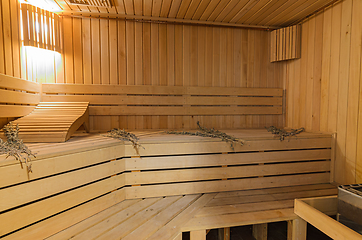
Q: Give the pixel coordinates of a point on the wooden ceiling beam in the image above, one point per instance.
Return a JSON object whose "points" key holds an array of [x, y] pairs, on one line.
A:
{"points": [[161, 20]]}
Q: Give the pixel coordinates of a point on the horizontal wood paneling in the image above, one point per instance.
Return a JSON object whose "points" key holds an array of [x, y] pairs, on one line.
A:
{"points": [[123, 100], [17, 97], [324, 86]]}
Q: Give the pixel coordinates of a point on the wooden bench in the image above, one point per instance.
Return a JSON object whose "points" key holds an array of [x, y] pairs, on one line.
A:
{"points": [[156, 106], [181, 183], [316, 211], [53, 121], [17, 97]]}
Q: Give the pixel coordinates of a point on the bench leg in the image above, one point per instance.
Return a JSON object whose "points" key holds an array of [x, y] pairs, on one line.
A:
{"points": [[260, 231], [224, 233], [297, 229], [198, 235], [178, 237]]}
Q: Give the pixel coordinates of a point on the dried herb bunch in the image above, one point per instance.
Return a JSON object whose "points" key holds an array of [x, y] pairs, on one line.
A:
{"points": [[15, 147], [283, 133], [125, 136], [212, 133]]}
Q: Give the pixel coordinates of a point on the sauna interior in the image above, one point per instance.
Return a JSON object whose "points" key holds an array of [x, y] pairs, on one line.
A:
{"points": [[72, 70]]}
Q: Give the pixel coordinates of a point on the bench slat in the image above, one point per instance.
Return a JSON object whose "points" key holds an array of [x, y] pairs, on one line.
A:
{"points": [[157, 90], [229, 185], [138, 213], [163, 100], [18, 97], [239, 219], [179, 110], [15, 110], [172, 228], [28, 192], [154, 224], [91, 221], [223, 172], [63, 220], [168, 162]]}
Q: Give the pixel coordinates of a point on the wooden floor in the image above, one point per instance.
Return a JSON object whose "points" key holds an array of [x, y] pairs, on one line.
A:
{"points": [[167, 217]]}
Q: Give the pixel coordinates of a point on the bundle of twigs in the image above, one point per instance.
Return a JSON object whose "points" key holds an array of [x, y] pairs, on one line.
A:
{"points": [[212, 133], [125, 136], [283, 133], [15, 147]]}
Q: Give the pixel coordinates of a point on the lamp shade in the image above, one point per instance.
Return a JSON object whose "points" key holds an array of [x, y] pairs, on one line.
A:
{"points": [[41, 28]]}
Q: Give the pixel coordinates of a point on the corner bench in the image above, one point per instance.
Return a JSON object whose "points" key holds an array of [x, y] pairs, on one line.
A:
{"points": [[177, 184], [168, 217]]}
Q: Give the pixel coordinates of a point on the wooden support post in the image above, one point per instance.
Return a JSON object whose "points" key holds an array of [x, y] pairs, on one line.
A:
{"points": [[260, 231], [178, 237], [198, 235], [224, 233], [297, 229]]}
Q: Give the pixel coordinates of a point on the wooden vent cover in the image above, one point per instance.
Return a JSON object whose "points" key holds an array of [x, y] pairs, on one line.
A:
{"points": [[285, 43], [97, 3]]}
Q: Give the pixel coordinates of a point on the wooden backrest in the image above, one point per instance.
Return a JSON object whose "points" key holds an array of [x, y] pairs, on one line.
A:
{"points": [[113, 100], [17, 97]]}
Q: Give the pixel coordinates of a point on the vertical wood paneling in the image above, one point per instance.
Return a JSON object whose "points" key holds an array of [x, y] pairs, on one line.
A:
{"points": [[357, 24], [326, 63], [333, 61], [110, 51], [2, 53], [7, 38], [353, 91], [177, 55], [78, 54], [344, 61], [96, 53], [122, 53], [87, 56], [68, 50], [105, 55], [15, 20]]}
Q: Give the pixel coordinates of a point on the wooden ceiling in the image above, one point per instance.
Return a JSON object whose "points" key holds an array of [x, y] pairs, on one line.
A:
{"points": [[269, 13]]}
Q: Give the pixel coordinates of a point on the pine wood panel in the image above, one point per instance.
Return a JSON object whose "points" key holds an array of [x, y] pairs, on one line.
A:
{"points": [[316, 210], [24, 62], [17, 97], [77, 172], [285, 43], [274, 13], [101, 51], [328, 96], [168, 55]]}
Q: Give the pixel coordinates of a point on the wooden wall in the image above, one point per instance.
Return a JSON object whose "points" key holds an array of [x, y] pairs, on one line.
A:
{"points": [[324, 87], [100, 51], [27, 63], [110, 51]]}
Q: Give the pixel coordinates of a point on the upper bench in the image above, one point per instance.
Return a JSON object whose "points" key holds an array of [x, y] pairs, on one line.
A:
{"points": [[112, 100]]}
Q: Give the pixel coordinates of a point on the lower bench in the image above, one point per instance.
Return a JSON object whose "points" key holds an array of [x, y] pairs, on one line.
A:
{"points": [[167, 217], [177, 184]]}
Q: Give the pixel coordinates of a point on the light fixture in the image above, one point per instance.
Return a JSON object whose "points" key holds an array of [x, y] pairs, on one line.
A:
{"points": [[40, 28], [97, 3], [48, 5]]}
